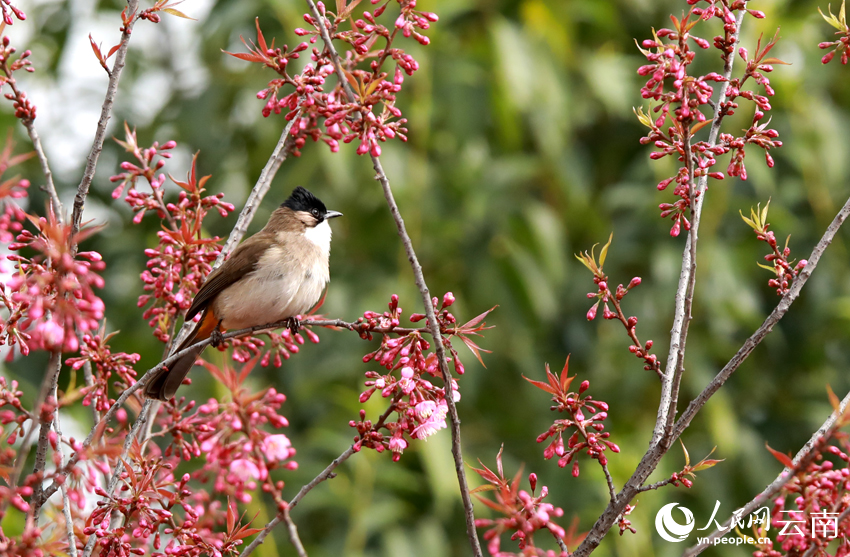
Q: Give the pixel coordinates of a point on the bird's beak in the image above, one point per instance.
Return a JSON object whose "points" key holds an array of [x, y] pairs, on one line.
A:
{"points": [[332, 214]]}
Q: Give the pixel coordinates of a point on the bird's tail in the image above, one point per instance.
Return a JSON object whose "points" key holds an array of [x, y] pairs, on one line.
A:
{"points": [[167, 380]]}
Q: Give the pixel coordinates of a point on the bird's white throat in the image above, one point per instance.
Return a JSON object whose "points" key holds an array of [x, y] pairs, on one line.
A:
{"points": [[320, 235]]}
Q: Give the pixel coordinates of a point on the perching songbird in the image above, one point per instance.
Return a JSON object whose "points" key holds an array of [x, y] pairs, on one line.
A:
{"points": [[275, 275]]}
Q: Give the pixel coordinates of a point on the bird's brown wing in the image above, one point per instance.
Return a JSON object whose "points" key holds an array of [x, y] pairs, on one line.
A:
{"points": [[242, 262]]}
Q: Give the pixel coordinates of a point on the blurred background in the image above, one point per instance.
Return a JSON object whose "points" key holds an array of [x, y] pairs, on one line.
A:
{"points": [[523, 151]]}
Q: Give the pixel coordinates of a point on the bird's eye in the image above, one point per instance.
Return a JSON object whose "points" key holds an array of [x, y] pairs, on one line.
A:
{"points": [[315, 213]]}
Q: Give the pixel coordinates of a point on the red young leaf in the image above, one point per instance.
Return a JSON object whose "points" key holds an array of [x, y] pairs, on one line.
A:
{"points": [[784, 459], [541, 385]]}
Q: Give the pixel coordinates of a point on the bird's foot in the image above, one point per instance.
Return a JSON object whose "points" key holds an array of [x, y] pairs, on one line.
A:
{"points": [[216, 337], [293, 324]]}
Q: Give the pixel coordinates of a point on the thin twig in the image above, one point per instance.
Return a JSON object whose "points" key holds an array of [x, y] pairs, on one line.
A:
{"points": [[293, 533], [657, 450], [39, 497], [105, 114], [29, 124], [802, 459], [656, 485], [24, 451], [116, 474], [49, 187], [279, 154], [561, 543], [66, 502], [667, 405], [611, 490], [326, 474], [419, 279]]}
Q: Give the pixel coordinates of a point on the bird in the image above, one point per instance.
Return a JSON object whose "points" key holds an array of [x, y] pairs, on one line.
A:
{"points": [[275, 275]]}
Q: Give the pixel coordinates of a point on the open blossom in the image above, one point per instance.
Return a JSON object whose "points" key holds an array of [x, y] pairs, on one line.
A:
{"points": [[434, 422], [277, 447], [420, 405], [244, 470]]}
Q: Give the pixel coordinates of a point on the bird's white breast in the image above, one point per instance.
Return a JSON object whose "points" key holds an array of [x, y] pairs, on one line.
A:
{"points": [[287, 282], [320, 235]]}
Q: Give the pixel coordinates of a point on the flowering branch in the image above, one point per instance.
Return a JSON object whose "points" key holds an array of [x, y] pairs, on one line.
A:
{"points": [[419, 279], [129, 18], [362, 327], [803, 457], [657, 450], [326, 474], [687, 276]]}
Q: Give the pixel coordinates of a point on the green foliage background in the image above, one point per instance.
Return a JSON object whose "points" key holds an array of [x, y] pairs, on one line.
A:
{"points": [[523, 150]]}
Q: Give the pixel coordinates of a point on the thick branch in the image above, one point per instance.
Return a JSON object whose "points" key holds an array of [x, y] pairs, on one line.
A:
{"points": [[419, 279], [687, 278], [657, 450], [801, 460], [105, 114]]}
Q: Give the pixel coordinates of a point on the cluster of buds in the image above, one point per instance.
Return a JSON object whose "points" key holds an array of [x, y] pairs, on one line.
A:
{"points": [[329, 116], [670, 55], [13, 412], [183, 258], [8, 9], [784, 271], [24, 109], [239, 451], [524, 513], [147, 501], [52, 293], [279, 347], [12, 216], [604, 296], [242, 452], [420, 406], [811, 511], [95, 351], [841, 46], [588, 435]]}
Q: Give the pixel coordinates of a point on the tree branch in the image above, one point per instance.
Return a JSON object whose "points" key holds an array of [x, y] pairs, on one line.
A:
{"points": [[801, 460], [66, 502], [419, 279], [39, 497], [293, 533], [99, 427], [49, 187], [116, 474], [105, 114], [687, 278]]}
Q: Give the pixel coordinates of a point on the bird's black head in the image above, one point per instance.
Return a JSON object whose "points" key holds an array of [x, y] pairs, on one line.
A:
{"points": [[302, 201]]}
